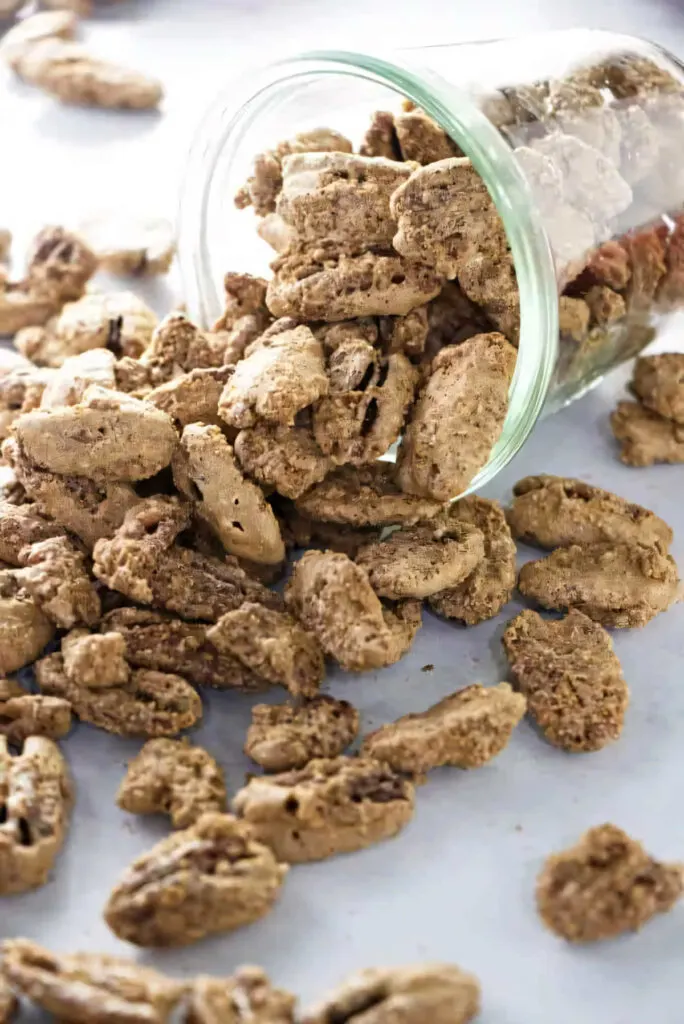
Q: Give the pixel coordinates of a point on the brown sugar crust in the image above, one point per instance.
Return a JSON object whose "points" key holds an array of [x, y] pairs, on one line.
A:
{"points": [[438, 993], [69, 383], [233, 507], [212, 877], [646, 437], [458, 417], [286, 458], [60, 264], [554, 511], [149, 704], [172, 777], [21, 390], [604, 886], [419, 561], [333, 598], [95, 660], [572, 679], [87, 987], [56, 575], [466, 729], [273, 646], [21, 525], [328, 807], [286, 736], [407, 334], [24, 714], [211, 1000], [380, 138], [192, 397], [365, 497], [421, 139], [178, 346], [618, 585], [24, 629], [658, 382], [490, 282], [36, 795]]}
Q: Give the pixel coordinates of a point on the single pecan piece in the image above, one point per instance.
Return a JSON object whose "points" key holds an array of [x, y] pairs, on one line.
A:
{"points": [[21, 525], [24, 629], [365, 497], [95, 660], [247, 993], [659, 384], [646, 437], [24, 714]]}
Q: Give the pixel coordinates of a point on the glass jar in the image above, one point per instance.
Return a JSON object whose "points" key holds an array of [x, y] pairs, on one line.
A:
{"points": [[576, 134]]}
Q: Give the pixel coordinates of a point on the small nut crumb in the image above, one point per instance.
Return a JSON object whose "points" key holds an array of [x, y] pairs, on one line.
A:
{"points": [[171, 777], [330, 806], [572, 679], [466, 729], [24, 714], [211, 1000], [130, 246], [645, 436], [603, 886], [212, 877], [286, 736], [95, 661], [658, 382], [365, 497]]}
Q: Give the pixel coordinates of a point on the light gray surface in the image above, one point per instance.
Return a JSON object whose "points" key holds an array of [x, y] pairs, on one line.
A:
{"points": [[458, 884]]}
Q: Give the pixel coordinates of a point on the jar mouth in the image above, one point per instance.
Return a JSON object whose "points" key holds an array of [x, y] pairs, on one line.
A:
{"points": [[222, 132]]}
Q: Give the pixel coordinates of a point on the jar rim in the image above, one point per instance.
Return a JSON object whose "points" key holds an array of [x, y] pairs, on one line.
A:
{"points": [[231, 113]]}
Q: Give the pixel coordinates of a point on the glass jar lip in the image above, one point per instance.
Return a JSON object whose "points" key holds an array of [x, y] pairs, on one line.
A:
{"points": [[491, 156]]}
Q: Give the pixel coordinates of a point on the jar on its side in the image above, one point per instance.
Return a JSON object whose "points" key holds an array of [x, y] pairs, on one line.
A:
{"points": [[575, 134]]}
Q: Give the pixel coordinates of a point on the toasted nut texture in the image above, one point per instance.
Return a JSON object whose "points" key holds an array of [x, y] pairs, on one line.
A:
{"points": [[328, 807], [108, 436], [156, 640], [466, 729], [418, 561], [149, 704], [131, 246], [233, 508], [421, 139], [618, 585], [36, 796], [484, 593], [572, 679], [283, 375], [60, 263], [95, 661], [178, 346], [212, 1000], [24, 629], [333, 598], [56, 575], [25, 714], [645, 436], [88, 987], [59, 24], [21, 525], [438, 993], [273, 646], [68, 384], [143, 562], [659, 382], [324, 284], [365, 497], [245, 297], [380, 138], [340, 198], [192, 397], [72, 75], [574, 317], [212, 877], [286, 458], [25, 309], [171, 777], [286, 736], [554, 511], [458, 417], [21, 390], [605, 885]]}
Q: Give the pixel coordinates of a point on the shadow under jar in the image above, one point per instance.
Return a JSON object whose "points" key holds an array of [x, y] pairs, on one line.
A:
{"points": [[578, 137]]}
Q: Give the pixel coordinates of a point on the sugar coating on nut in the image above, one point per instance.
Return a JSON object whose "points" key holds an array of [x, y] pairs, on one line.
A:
{"points": [[380, 138], [421, 139], [365, 497], [554, 511], [69, 383], [212, 877], [178, 346], [24, 714], [286, 458], [605, 305], [330, 806], [490, 282], [192, 397], [646, 437], [617, 584], [60, 264], [56, 575], [129, 245], [95, 660], [21, 390], [286, 736], [24, 629], [574, 317], [21, 525], [172, 777], [572, 679], [658, 382], [604, 886], [216, 999]]}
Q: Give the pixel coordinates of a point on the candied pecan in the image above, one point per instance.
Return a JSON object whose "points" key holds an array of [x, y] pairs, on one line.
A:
{"points": [[24, 714], [158, 641], [23, 307], [406, 334], [483, 594], [21, 525], [380, 138], [365, 497], [149, 704], [171, 777], [658, 381], [646, 253], [283, 375], [330, 806], [192, 397], [273, 645], [574, 316], [85, 987], [21, 391], [458, 417], [245, 296], [453, 318], [24, 629], [616, 584], [233, 507], [285, 736], [56, 576], [275, 232], [59, 24], [212, 877], [323, 284], [36, 796], [556, 511], [143, 562], [628, 75], [572, 679], [610, 265], [332, 336], [108, 435], [605, 305], [421, 139], [418, 561], [129, 245], [60, 263], [178, 346], [438, 993], [334, 599], [603, 886], [95, 661], [491, 283], [248, 993], [286, 458], [68, 384], [645, 436], [301, 532]]}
